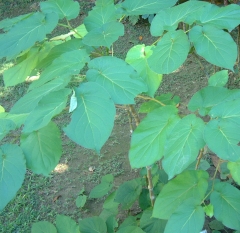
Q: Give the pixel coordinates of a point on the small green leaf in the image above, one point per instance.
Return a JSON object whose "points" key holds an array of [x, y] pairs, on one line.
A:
{"points": [[104, 35], [206, 41], [64, 8], [6, 125], [226, 203], [81, 201], [100, 190], [111, 224], [137, 57], [149, 138], [186, 185], [128, 193], [25, 33], [48, 107], [170, 52], [234, 168], [216, 225], [150, 224], [183, 145], [209, 210], [43, 227], [12, 172], [2, 109], [141, 7], [219, 79], [92, 225], [117, 77], [144, 199], [45, 151], [65, 224], [188, 218], [93, 117]]}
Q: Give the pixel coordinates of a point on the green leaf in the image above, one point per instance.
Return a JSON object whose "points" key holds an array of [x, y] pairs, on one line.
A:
{"points": [[129, 221], [208, 97], [104, 35], [18, 73], [117, 77], [167, 99], [80, 31], [42, 149], [188, 218], [150, 224], [48, 107], [6, 125], [110, 203], [234, 168], [130, 229], [206, 41], [128, 193], [167, 20], [25, 33], [43, 227], [186, 185], [183, 145], [226, 17], [92, 120], [100, 190], [144, 199], [92, 225], [222, 138], [137, 57], [219, 79], [209, 210], [12, 172], [2, 109], [149, 138], [65, 224], [29, 101], [81, 201], [18, 119], [170, 52], [64, 8], [226, 203], [107, 178], [69, 63], [141, 7], [111, 224], [216, 225], [99, 16]]}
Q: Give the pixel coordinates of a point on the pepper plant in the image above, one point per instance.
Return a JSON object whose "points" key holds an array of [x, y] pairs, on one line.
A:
{"points": [[184, 191]]}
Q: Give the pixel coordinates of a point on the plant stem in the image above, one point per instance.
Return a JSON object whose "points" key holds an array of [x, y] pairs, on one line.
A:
{"points": [[149, 98], [150, 185], [199, 158], [134, 114]]}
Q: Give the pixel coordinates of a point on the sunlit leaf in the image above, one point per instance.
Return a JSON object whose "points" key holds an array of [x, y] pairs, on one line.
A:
{"points": [[93, 224], [219, 79], [234, 168], [43, 226], [65, 224]]}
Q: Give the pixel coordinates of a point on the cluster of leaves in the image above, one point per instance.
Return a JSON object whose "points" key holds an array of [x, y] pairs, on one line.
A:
{"points": [[109, 81]]}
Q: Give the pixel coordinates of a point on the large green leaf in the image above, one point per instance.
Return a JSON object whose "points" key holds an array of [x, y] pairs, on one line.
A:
{"points": [[117, 77], [6, 125], [168, 19], [208, 97], [226, 204], [220, 17], [222, 138], [137, 57], [48, 107], [149, 138], [99, 16], [29, 101], [12, 172], [188, 218], [65, 224], [64, 8], [183, 145], [42, 149], [69, 63], [220, 52], [130, 229], [150, 224], [43, 227], [170, 52], [92, 120], [18, 73], [104, 35], [186, 185], [142, 7], [92, 225], [219, 79], [18, 119], [234, 168], [128, 193], [24, 34]]}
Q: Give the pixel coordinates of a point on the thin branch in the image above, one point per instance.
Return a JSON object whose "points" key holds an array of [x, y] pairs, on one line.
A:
{"points": [[149, 98]]}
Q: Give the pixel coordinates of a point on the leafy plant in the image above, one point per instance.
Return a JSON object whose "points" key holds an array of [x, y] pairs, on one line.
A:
{"points": [[184, 190]]}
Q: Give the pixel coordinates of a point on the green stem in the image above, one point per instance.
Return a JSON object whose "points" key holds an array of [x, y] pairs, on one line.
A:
{"points": [[150, 185], [149, 98]]}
